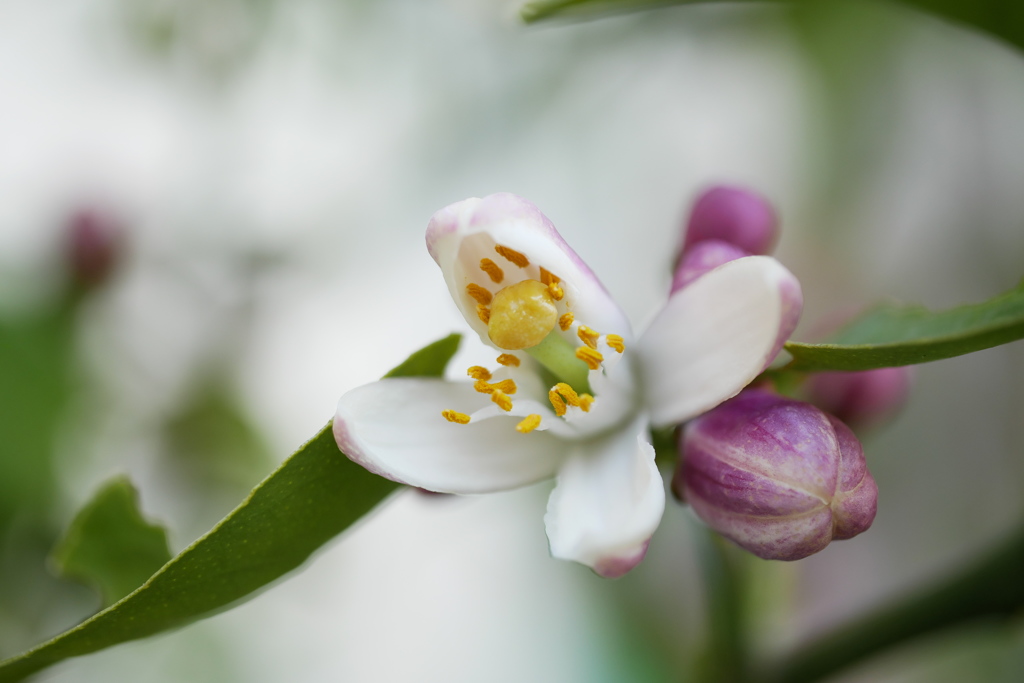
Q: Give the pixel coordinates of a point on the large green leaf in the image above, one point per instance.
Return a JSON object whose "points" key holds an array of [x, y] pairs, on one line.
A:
{"points": [[1001, 18], [110, 545], [314, 495], [903, 335]]}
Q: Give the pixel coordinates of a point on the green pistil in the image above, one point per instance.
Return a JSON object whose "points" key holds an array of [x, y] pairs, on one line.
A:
{"points": [[559, 356]]}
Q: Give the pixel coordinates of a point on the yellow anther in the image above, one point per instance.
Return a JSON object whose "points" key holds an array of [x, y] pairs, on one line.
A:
{"points": [[508, 359], [477, 372], [529, 423], [456, 417], [590, 356], [556, 291], [557, 402], [565, 322], [522, 315], [505, 386], [492, 269], [479, 293], [586, 400], [483, 313], [502, 400], [512, 255], [587, 336], [547, 277], [567, 393], [615, 341]]}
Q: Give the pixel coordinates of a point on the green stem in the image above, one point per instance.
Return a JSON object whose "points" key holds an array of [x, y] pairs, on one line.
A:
{"points": [[992, 588], [725, 658]]}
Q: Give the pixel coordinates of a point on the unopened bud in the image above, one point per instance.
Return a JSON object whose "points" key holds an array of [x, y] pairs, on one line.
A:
{"points": [[735, 215], [702, 257], [861, 399], [778, 477], [94, 245]]}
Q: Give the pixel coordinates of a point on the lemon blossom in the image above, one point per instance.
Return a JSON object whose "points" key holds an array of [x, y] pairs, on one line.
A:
{"points": [[572, 393]]}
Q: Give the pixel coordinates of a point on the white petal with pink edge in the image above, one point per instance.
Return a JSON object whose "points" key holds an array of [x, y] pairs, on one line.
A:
{"points": [[607, 502], [716, 335], [394, 428]]}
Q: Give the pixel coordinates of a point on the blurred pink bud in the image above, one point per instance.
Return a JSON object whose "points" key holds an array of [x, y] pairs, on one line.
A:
{"points": [[735, 215], [94, 246], [778, 477], [861, 399], [702, 257]]}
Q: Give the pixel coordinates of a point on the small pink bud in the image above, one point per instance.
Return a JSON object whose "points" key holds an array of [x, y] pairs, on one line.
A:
{"points": [[94, 246], [861, 399], [778, 477], [735, 215], [702, 257]]}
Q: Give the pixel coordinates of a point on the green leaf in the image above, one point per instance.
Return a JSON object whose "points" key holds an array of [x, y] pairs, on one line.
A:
{"points": [[1003, 19], [109, 545], [430, 361], [903, 335], [313, 496]]}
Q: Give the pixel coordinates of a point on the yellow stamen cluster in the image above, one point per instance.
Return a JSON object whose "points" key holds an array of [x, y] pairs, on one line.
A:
{"points": [[483, 313], [615, 341], [529, 423], [508, 359], [506, 386], [492, 269], [556, 291], [512, 255], [456, 417], [591, 357], [565, 322], [562, 395]]}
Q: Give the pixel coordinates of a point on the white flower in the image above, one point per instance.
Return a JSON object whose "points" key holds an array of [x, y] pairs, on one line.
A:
{"points": [[572, 394]]}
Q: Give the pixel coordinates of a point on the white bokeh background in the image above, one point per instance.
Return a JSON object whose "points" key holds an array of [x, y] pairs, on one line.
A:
{"points": [[322, 155]]}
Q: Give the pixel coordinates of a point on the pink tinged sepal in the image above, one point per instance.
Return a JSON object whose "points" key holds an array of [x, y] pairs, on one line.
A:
{"points": [[861, 399], [716, 335], [460, 234], [394, 428], [735, 215], [608, 500], [778, 477]]}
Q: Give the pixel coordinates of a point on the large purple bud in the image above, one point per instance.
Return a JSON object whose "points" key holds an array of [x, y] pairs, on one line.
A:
{"points": [[778, 477], [735, 215]]}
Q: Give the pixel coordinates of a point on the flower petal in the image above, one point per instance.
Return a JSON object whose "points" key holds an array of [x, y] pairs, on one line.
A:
{"points": [[394, 428], [715, 335], [608, 501], [459, 235]]}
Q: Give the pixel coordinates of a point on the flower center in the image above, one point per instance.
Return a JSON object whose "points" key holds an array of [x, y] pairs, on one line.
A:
{"points": [[522, 315]]}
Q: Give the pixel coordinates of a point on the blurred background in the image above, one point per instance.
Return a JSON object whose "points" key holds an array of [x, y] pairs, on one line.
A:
{"points": [[211, 227]]}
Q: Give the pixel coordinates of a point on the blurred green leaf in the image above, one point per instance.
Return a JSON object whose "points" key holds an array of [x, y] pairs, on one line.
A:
{"points": [[1001, 18], [214, 442], [36, 369], [109, 545], [313, 496], [903, 335]]}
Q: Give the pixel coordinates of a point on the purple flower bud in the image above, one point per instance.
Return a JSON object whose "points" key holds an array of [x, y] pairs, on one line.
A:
{"points": [[702, 257], [779, 477], [861, 399], [735, 215], [94, 245]]}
